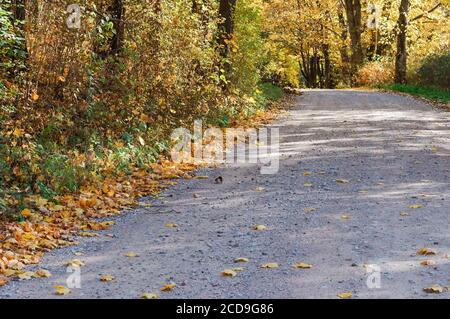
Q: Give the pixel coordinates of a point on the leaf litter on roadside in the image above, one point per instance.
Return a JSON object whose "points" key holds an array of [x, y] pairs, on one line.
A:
{"points": [[49, 224]]}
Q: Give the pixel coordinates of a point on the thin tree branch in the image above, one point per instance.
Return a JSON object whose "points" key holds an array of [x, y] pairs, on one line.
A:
{"points": [[427, 12]]}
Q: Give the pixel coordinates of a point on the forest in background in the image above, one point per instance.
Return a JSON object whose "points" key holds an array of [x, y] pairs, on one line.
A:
{"points": [[87, 97]]}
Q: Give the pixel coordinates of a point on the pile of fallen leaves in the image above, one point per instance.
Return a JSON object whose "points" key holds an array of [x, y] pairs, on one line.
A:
{"points": [[52, 224], [49, 224]]}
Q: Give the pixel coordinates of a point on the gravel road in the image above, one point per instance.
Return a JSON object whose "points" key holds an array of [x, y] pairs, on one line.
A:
{"points": [[394, 152]]}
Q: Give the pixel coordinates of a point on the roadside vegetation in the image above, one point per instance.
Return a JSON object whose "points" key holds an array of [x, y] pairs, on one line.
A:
{"points": [[90, 91]]}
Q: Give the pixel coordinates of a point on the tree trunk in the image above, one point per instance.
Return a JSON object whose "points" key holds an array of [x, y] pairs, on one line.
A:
{"points": [[117, 13], [354, 16], [327, 68], [344, 47], [226, 26], [402, 50], [19, 11]]}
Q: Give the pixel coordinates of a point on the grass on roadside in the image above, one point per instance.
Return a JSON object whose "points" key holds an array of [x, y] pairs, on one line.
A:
{"points": [[431, 93]]}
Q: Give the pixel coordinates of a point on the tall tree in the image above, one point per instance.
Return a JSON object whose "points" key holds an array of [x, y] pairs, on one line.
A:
{"points": [[117, 12], [401, 57], [354, 22], [226, 26], [344, 47], [402, 51], [19, 11]]}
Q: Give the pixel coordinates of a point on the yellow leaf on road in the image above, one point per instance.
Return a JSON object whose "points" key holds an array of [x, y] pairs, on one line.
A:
{"points": [[428, 263], [345, 295], [43, 273], [302, 266], [416, 206], [131, 255], [171, 225], [168, 287], [61, 290], [435, 289], [308, 185], [229, 273], [241, 260], [426, 252], [106, 278], [75, 263], [345, 217], [342, 181], [404, 214], [259, 227], [26, 275], [270, 265], [87, 234], [149, 296]]}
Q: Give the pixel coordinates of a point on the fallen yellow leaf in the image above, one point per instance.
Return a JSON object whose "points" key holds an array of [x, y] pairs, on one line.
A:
{"points": [[345, 217], [3, 280], [43, 273], [435, 289], [259, 227], [75, 263], [308, 184], [345, 295], [26, 275], [25, 213], [302, 266], [416, 206], [34, 96], [168, 287], [428, 263], [342, 181], [229, 273], [171, 225], [61, 290], [87, 234], [106, 278], [426, 252], [241, 260], [131, 255], [149, 296], [404, 214], [270, 265]]}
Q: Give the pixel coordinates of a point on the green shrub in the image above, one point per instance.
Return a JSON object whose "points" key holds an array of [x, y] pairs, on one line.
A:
{"points": [[435, 71], [431, 93]]}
